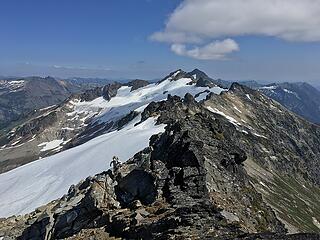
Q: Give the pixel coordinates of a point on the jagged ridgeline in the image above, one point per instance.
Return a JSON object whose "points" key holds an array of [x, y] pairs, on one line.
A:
{"points": [[227, 164]]}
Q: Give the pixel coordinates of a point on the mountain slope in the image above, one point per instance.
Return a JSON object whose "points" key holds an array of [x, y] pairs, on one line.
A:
{"points": [[85, 116], [48, 179], [20, 96], [88, 83], [189, 183], [56, 130], [301, 98], [234, 164], [283, 154]]}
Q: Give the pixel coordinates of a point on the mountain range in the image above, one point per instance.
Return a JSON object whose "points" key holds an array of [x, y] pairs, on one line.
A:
{"points": [[300, 97], [20, 96], [201, 159]]}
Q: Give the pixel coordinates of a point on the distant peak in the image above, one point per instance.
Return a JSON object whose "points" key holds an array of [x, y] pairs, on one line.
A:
{"points": [[237, 87], [176, 75], [50, 78], [196, 73]]}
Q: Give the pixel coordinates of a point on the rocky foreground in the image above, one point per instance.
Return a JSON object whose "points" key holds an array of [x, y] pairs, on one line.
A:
{"points": [[190, 183]]}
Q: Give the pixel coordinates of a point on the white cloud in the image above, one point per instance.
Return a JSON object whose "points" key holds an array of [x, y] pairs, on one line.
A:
{"points": [[176, 37], [216, 50], [196, 21]]}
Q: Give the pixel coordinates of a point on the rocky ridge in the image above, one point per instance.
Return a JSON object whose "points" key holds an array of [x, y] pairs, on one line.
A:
{"points": [[190, 183], [299, 97]]}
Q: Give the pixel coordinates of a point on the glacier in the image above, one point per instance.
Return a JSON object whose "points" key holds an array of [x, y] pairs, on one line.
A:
{"points": [[28, 187]]}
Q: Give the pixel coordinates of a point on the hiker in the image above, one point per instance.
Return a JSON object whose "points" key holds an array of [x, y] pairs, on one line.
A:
{"points": [[115, 164]]}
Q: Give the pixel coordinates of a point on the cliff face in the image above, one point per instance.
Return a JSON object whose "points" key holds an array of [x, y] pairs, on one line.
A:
{"points": [[190, 183]]}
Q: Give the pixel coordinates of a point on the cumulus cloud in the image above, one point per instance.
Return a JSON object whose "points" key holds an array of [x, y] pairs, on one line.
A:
{"points": [[196, 21], [216, 50]]}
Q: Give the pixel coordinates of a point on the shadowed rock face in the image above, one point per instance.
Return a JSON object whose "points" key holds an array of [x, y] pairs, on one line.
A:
{"points": [[110, 90], [137, 185]]}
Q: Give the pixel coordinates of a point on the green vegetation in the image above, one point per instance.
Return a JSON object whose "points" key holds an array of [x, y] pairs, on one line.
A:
{"points": [[296, 203]]}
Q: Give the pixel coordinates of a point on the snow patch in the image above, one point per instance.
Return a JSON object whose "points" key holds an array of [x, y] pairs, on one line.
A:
{"points": [[202, 96], [47, 108], [33, 137], [176, 73], [245, 132], [258, 135], [13, 86], [16, 142], [248, 96], [46, 146], [262, 183], [291, 92], [237, 109], [269, 87], [230, 119], [316, 222], [67, 128]]}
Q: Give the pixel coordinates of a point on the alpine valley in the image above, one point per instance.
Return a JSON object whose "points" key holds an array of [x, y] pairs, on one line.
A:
{"points": [[202, 158]]}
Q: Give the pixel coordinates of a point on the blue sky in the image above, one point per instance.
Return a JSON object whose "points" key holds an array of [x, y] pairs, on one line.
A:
{"points": [[111, 38]]}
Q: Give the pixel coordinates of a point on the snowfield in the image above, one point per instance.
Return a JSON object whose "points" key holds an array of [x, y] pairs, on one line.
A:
{"points": [[50, 145], [127, 101], [24, 189]]}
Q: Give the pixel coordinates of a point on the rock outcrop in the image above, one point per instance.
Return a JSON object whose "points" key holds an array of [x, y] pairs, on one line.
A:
{"points": [[137, 83]]}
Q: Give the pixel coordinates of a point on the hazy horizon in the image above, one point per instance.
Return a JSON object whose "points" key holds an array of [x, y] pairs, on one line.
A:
{"points": [[116, 77], [147, 39]]}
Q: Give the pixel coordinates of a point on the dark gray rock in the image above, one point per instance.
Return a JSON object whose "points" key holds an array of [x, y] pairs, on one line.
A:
{"points": [[136, 84], [110, 90]]}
